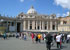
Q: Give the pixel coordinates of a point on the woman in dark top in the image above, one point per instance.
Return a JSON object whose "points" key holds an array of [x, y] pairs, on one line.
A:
{"points": [[36, 38]]}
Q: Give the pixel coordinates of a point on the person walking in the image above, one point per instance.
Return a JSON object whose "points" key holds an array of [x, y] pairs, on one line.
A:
{"points": [[48, 41], [55, 37], [36, 38], [4, 36], [44, 36], [68, 38], [65, 37], [25, 37], [39, 38], [32, 35]]}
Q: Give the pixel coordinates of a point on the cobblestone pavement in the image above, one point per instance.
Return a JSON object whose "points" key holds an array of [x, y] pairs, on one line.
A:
{"points": [[16, 44]]}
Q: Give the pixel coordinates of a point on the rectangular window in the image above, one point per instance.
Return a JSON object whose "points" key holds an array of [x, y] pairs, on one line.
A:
{"points": [[12, 23], [53, 27], [45, 25], [38, 27], [21, 15], [64, 22], [30, 27]]}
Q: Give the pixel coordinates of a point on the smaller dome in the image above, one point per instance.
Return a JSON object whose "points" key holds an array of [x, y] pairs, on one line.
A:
{"points": [[32, 11]]}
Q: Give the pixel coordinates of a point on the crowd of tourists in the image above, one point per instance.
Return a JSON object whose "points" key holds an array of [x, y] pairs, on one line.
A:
{"points": [[21, 36], [3, 36], [59, 39], [48, 38]]}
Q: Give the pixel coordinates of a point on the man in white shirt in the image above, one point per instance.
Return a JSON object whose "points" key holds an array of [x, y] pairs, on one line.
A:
{"points": [[44, 37], [68, 38], [58, 40]]}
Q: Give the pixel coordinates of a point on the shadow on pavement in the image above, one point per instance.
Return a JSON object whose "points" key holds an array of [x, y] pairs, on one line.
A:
{"points": [[60, 48], [55, 49], [42, 43], [64, 47]]}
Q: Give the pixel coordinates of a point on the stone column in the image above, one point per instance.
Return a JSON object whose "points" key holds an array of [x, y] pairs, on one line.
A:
{"points": [[7, 27], [10, 26], [47, 25], [14, 23], [50, 25], [10, 23], [55, 25], [28, 25], [24, 25], [21, 29], [36, 25], [40, 25], [16, 26], [33, 25]]}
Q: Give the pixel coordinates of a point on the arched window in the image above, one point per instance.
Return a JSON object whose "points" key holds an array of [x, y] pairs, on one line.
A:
{"points": [[21, 15], [64, 22]]}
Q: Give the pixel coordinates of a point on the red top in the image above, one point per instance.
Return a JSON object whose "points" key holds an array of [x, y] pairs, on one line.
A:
{"points": [[32, 35]]}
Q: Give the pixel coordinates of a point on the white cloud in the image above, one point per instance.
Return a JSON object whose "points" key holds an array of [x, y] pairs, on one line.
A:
{"points": [[21, 0], [58, 15], [63, 3], [68, 13], [63, 15]]}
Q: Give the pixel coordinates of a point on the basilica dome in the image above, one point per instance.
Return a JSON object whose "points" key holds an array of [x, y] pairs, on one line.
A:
{"points": [[32, 11]]}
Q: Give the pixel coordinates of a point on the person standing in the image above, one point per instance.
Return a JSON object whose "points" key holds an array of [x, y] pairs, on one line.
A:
{"points": [[25, 37], [32, 35], [48, 41], [65, 37], [68, 38], [36, 38], [39, 38], [62, 37], [4, 36], [58, 41], [55, 37], [21, 36], [44, 36]]}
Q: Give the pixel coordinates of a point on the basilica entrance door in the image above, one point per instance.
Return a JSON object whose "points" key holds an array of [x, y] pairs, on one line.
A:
{"points": [[18, 27]]}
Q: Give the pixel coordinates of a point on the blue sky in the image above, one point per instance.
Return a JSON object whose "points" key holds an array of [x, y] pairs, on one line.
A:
{"points": [[14, 7]]}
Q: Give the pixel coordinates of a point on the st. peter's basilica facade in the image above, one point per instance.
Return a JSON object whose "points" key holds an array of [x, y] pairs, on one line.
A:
{"points": [[32, 22]]}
